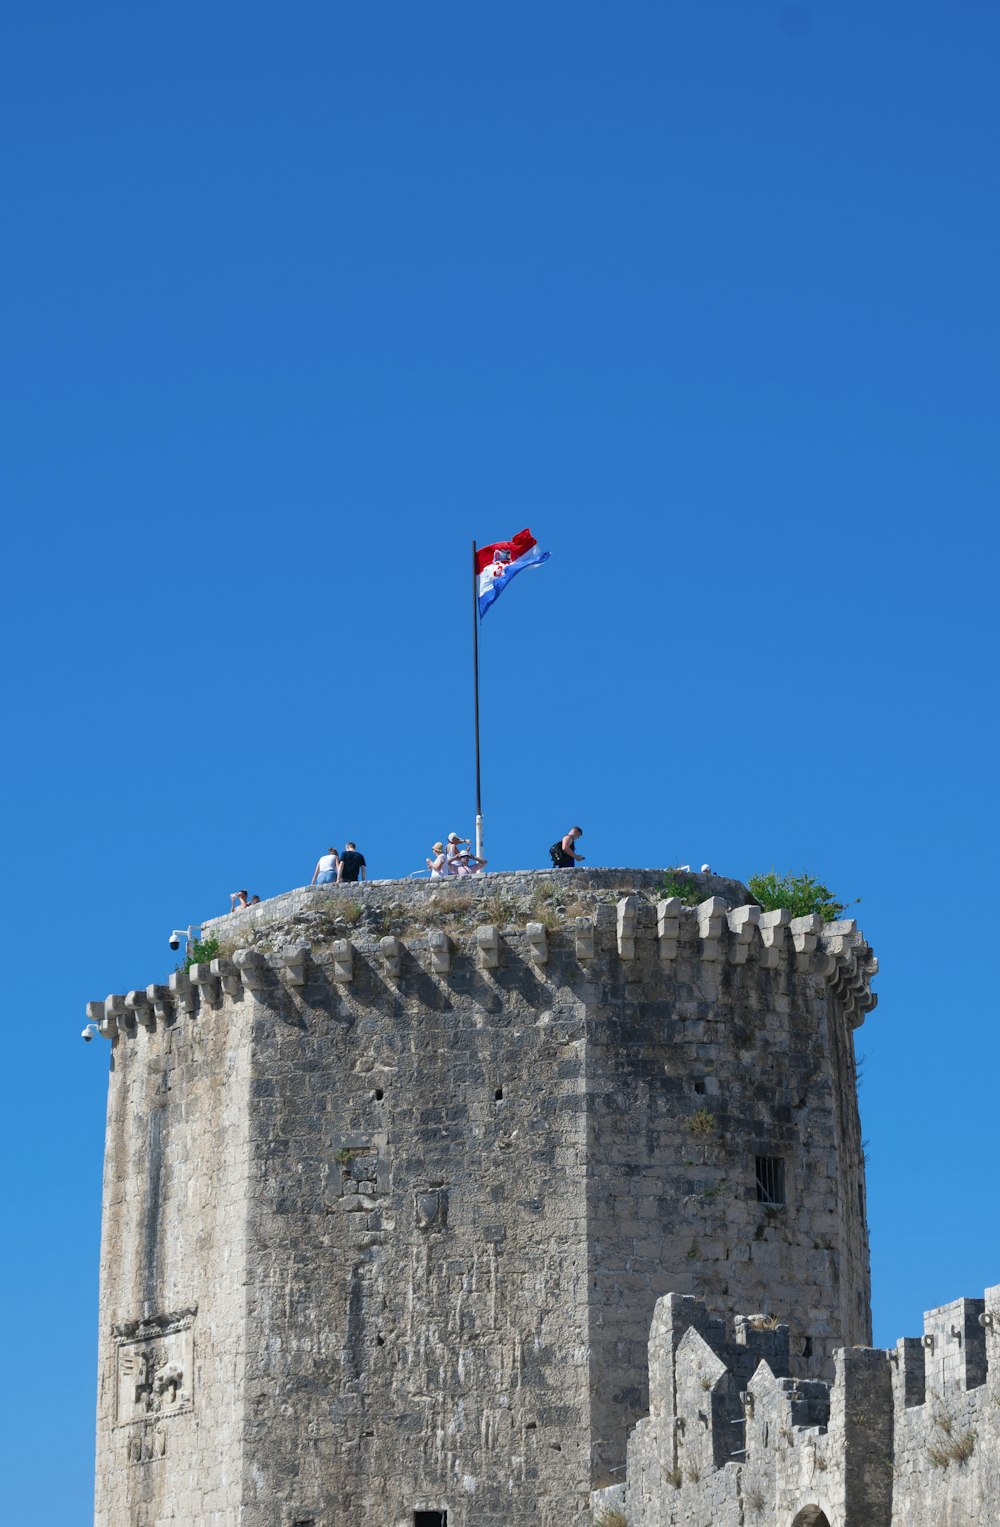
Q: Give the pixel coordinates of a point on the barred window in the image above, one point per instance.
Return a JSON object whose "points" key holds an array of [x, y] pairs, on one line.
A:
{"points": [[770, 1179]]}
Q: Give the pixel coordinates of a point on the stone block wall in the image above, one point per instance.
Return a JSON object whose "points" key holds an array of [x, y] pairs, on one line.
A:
{"points": [[177, 1186], [904, 1438], [400, 1176]]}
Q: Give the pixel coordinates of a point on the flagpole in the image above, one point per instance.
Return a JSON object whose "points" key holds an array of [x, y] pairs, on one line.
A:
{"points": [[475, 664]]}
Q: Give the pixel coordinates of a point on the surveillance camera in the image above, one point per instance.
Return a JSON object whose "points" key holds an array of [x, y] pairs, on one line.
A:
{"points": [[87, 1035], [175, 942]]}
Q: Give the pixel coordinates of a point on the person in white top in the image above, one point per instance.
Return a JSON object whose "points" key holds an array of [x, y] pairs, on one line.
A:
{"points": [[326, 868], [439, 867]]}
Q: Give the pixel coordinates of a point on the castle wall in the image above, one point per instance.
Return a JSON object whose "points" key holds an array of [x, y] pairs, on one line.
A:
{"points": [[698, 1063], [173, 1260], [905, 1438], [417, 1330], [427, 1160]]}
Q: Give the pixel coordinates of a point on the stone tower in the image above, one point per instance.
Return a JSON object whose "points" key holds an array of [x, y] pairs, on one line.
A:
{"points": [[392, 1189]]}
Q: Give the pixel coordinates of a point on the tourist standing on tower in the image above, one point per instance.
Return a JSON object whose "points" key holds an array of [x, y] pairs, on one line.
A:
{"points": [[564, 854], [352, 864], [326, 869]]}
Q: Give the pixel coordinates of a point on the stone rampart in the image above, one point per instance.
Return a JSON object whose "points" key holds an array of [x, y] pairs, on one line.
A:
{"points": [[908, 1437]]}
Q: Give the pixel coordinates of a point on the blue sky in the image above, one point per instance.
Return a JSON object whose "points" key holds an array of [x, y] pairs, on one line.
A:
{"points": [[296, 303]]}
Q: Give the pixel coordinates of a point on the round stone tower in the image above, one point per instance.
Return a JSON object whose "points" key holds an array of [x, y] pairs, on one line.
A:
{"points": [[393, 1186]]}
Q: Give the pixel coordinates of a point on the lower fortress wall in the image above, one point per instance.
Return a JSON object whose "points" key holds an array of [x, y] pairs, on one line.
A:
{"points": [[902, 1438]]}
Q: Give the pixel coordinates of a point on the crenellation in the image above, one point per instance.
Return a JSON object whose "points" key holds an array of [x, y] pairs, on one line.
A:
{"points": [[877, 1447]]}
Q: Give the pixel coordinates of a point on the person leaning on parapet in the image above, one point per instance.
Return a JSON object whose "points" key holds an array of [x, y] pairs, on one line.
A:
{"points": [[351, 864], [238, 899], [462, 861], [326, 869], [563, 853]]}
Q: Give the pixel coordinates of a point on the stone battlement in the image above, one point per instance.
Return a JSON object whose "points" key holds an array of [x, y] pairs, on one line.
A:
{"points": [[908, 1435], [327, 932]]}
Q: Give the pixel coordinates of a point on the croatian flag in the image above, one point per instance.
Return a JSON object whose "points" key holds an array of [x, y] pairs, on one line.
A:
{"points": [[496, 565]]}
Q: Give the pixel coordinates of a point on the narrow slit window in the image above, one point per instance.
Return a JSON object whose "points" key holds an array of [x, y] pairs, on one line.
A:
{"points": [[770, 1179]]}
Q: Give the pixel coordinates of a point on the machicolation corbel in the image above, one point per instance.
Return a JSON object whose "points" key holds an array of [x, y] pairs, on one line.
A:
{"points": [[254, 970], [805, 933], [584, 938], [488, 942], [139, 1005], [183, 990], [668, 926], [343, 959], [538, 943], [162, 1000], [743, 926], [711, 915], [114, 1009], [391, 950], [229, 976], [293, 959], [773, 926], [439, 945], [106, 1024], [209, 989], [627, 923]]}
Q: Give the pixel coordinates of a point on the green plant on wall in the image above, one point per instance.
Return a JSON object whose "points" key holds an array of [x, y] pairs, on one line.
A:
{"points": [[202, 950], [801, 894], [682, 885]]}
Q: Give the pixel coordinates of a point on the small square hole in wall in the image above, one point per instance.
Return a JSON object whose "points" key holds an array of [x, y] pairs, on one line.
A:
{"points": [[430, 1519], [699, 1086], [498, 1095], [379, 1094], [770, 1172]]}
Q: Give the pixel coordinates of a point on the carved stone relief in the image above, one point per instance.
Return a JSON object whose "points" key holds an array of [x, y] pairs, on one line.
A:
{"points": [[155, 1372]]}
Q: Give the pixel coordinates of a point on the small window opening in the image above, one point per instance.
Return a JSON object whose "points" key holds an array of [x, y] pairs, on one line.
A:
{"points": [[807, 1347], [699, 1087], [498, 1095], [430, 1519], [770, 1179], [379, 1094]]}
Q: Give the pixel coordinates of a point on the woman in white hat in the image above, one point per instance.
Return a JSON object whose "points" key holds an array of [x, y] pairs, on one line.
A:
{"points": [[452, 854], [438, 866]]}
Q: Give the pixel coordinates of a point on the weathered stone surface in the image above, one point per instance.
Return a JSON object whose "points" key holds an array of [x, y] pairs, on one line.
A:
{"points": [[906, 1438], [404, 1202]]}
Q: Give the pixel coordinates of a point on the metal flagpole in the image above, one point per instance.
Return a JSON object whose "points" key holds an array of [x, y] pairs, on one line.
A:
{"points": [[475, 661]]}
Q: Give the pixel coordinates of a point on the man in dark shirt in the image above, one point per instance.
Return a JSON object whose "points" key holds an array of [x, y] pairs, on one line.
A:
{"points": [[352, 863]]}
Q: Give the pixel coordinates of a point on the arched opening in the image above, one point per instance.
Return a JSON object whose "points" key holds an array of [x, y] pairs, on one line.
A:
{"points": [[811, 1516]]}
